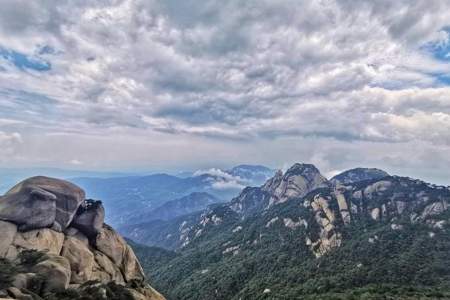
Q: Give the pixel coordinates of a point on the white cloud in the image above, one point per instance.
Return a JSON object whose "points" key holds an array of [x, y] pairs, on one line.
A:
{"points": [[222, 180], [9, 142], [234, 79], [75, 162]]}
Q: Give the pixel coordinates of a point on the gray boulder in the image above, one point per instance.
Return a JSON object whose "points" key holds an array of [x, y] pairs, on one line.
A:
{"points": [[40, 202], [7, 233], [89, 218]]}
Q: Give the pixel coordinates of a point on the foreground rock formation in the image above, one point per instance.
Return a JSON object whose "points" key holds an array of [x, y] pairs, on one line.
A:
{"points": [[51, 221]]}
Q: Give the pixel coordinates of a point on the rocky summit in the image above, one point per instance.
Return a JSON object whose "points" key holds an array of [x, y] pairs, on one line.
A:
{"points": [[54, 245]]}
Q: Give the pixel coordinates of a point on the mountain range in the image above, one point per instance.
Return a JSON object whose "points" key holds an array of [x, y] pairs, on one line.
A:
{"points": [[141, 198], [363, 234], [294, 234], [133, 198]]}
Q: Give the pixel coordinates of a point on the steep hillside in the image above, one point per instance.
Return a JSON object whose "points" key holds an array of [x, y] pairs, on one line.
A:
{"points": [[300, 236], [54, 245], [191, 203]]}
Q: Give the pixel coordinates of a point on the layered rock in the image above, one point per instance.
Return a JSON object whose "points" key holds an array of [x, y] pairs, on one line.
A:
{"points": [[51, 217], [325, 217], [297, 181], [393, 200]]}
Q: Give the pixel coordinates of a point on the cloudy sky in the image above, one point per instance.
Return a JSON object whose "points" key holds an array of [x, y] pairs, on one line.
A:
{"points": [[184, 84]]}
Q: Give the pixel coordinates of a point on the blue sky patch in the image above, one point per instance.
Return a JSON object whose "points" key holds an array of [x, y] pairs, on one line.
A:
{"points": [[443, 78], [23, 61], [440, 50]]}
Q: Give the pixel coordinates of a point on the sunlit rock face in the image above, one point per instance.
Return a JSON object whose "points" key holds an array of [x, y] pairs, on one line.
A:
{"points": [[53, 217], [297, 181]]}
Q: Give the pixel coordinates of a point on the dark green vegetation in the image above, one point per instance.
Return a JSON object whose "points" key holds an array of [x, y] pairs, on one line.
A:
{"points": [[407, 263]]}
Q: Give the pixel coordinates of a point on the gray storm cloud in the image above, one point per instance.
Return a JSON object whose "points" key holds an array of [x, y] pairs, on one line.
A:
{"points": [[339, 83]]}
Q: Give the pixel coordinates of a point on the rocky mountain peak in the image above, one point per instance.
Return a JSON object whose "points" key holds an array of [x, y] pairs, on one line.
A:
{"points": [[51, 220], [358, 174], [297, 181]]}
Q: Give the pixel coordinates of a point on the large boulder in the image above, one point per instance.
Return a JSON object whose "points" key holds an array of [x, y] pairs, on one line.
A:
{"points": [[114, 246], [59, 240], [7, 233], [89, 218], [104, 270], [55, 270], [80, 257], [40, 202], [110, 243], [44, 239]]}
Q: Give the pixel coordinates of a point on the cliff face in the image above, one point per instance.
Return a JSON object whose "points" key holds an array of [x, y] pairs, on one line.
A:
{"points": [[71, 248]]}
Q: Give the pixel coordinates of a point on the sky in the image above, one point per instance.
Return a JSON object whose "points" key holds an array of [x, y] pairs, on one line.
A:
{"points": [[184, 84]]}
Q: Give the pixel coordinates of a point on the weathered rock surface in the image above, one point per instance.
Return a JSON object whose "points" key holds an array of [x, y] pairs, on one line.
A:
{"points": [[297, 181], [80, 258], [90, 218], [51, 216], [40, 202], [389, 199], [39, 239], [114, 246], [56, 270], [7, 233]]}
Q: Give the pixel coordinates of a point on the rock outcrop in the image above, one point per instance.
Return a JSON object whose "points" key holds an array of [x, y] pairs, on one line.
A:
{"points": [[358, 174], [297, 181], [50, 219], [392, 199]]}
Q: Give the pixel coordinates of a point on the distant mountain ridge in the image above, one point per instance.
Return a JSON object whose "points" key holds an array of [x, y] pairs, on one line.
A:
{"points": [[193, 202], [131, 196], [358, 174], [9, 176], [295, 182]]}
